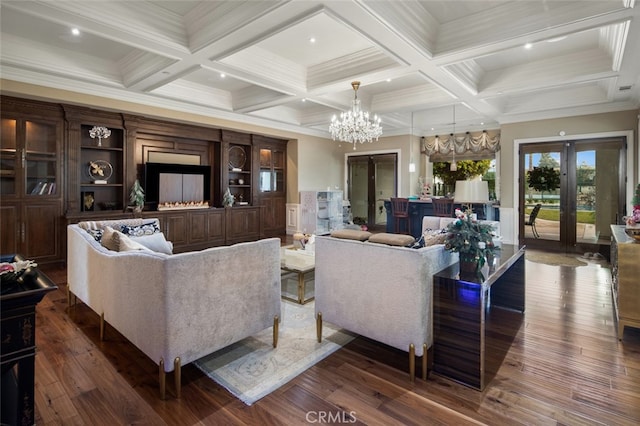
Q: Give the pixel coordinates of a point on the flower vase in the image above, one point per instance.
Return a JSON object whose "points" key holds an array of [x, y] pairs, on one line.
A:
{"points": [[468, 265]]}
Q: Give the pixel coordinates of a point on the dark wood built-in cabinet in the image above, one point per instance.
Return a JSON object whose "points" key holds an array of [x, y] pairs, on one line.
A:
{"points": [[31, 179], [45, 182], [270, 189]]}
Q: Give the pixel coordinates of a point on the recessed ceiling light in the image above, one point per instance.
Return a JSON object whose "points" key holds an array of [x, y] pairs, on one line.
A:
{"points": [[312, 40], [482, 123], [528, 46], [304, 99], [222, 75], [432, 128], [75, 31], [388, 80]]}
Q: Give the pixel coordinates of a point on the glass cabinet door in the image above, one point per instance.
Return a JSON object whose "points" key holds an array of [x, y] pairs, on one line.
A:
{"points": [[40, 158], [271, 170], [29, 162], [8, 157]]}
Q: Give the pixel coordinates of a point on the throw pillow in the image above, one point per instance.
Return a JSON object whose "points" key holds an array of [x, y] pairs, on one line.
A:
{"points": [[392, 239], [351, 234], [139, 230], [433, 237], [96, 234], [127, 244], [107, 239], [155, 242]]}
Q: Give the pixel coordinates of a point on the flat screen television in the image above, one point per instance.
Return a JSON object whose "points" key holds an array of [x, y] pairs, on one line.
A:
{"points": [[171, 183]]}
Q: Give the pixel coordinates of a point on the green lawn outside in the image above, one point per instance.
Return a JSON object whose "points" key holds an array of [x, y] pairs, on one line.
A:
{"points": [[583, 216]]}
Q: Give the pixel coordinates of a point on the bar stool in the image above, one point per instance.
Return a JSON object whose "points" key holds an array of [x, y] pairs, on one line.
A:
{"points": [[442, 207], [400, 211]]}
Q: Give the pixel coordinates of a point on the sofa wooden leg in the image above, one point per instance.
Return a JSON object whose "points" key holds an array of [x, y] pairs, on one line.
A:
{"points": [[319, 326], [412, 363], [102, 326], [162, 379], [276, 330], [424, 361], [177, 376]]}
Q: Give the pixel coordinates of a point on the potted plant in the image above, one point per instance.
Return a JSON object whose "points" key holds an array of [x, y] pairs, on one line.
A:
{"points": [[633, 221], [471, 239], [136, 197]]}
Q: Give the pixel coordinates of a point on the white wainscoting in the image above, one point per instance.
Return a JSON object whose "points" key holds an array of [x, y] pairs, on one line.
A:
{"points": [[508, 225], [293, 218]]}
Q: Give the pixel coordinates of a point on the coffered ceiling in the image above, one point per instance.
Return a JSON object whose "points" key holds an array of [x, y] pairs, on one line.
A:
{"points": [[289, 64]]}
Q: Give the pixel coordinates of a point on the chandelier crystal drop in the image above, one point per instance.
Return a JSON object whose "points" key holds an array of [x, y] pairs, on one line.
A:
{"points": [[355, 125]]}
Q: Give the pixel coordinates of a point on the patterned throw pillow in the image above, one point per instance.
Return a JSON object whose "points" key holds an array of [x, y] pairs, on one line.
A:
{"points": [[434, 236], [140, 230], [96, 234]]}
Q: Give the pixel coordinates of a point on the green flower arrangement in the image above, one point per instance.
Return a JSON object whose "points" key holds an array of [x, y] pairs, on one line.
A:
{"points": [[470, 238]]}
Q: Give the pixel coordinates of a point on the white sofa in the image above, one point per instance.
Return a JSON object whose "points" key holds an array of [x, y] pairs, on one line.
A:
{"points": [[379, 291], [177, 308]]}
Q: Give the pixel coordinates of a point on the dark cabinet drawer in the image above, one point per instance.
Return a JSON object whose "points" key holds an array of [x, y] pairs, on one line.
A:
{"points": [[18, 332]]}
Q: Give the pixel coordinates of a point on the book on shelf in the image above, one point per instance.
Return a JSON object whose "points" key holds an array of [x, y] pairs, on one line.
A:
{"points": [[36, 189]]}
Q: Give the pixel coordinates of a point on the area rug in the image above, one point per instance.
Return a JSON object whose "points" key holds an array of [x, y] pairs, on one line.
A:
{"points": [[556, 259], [252, 368]]}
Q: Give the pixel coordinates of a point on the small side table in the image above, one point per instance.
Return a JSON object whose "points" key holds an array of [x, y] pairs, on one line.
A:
{"points": [[298, 275], [18, 350]]}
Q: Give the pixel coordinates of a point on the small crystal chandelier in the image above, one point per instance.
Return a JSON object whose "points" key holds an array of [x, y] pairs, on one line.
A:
{"points": [[99, 132], [354, 125], [454, 164]]}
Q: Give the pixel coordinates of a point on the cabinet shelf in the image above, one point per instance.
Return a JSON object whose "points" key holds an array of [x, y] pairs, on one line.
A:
{"points": [[101, 185], [101, 148]]}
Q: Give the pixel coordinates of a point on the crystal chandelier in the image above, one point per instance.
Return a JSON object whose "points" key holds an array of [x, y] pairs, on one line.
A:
{"points": [[454, 165], [99, 132], [354, 125]]}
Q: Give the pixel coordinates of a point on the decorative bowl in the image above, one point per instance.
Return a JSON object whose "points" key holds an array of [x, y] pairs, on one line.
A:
{"points": [[633, 233]]}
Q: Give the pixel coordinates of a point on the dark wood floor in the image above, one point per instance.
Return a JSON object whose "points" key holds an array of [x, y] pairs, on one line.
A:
{"points": [[566, 366]]}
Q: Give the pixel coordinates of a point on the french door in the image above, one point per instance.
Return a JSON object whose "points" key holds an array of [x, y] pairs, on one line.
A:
{"points": [[372, 179], [590, 194]]}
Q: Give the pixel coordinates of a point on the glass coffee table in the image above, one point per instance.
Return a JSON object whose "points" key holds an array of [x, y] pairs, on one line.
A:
{"points": [[297, 274]]}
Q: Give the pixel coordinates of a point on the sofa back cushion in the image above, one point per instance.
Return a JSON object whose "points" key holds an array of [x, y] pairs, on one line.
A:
{"points": [[351, 234], [392, 239]]}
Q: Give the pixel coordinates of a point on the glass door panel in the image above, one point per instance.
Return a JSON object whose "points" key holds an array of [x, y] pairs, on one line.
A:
{"points": [[385, 185], [540, 164], [372, 179], [358, 189], [599, 201], [40, 158], [8, 157]]}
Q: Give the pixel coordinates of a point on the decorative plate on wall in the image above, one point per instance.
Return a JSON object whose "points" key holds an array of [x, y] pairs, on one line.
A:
{"points": [[100, 171], [237, 157]]}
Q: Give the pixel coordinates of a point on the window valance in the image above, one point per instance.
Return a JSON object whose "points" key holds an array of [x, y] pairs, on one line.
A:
{"points": [[467, 146]]}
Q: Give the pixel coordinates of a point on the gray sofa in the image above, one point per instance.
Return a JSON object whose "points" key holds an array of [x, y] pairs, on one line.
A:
{"points": [[379, 291], [176, 308]]}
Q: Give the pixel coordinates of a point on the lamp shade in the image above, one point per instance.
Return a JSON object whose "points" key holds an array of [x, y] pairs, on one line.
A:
{"points": [[471, 191]]}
